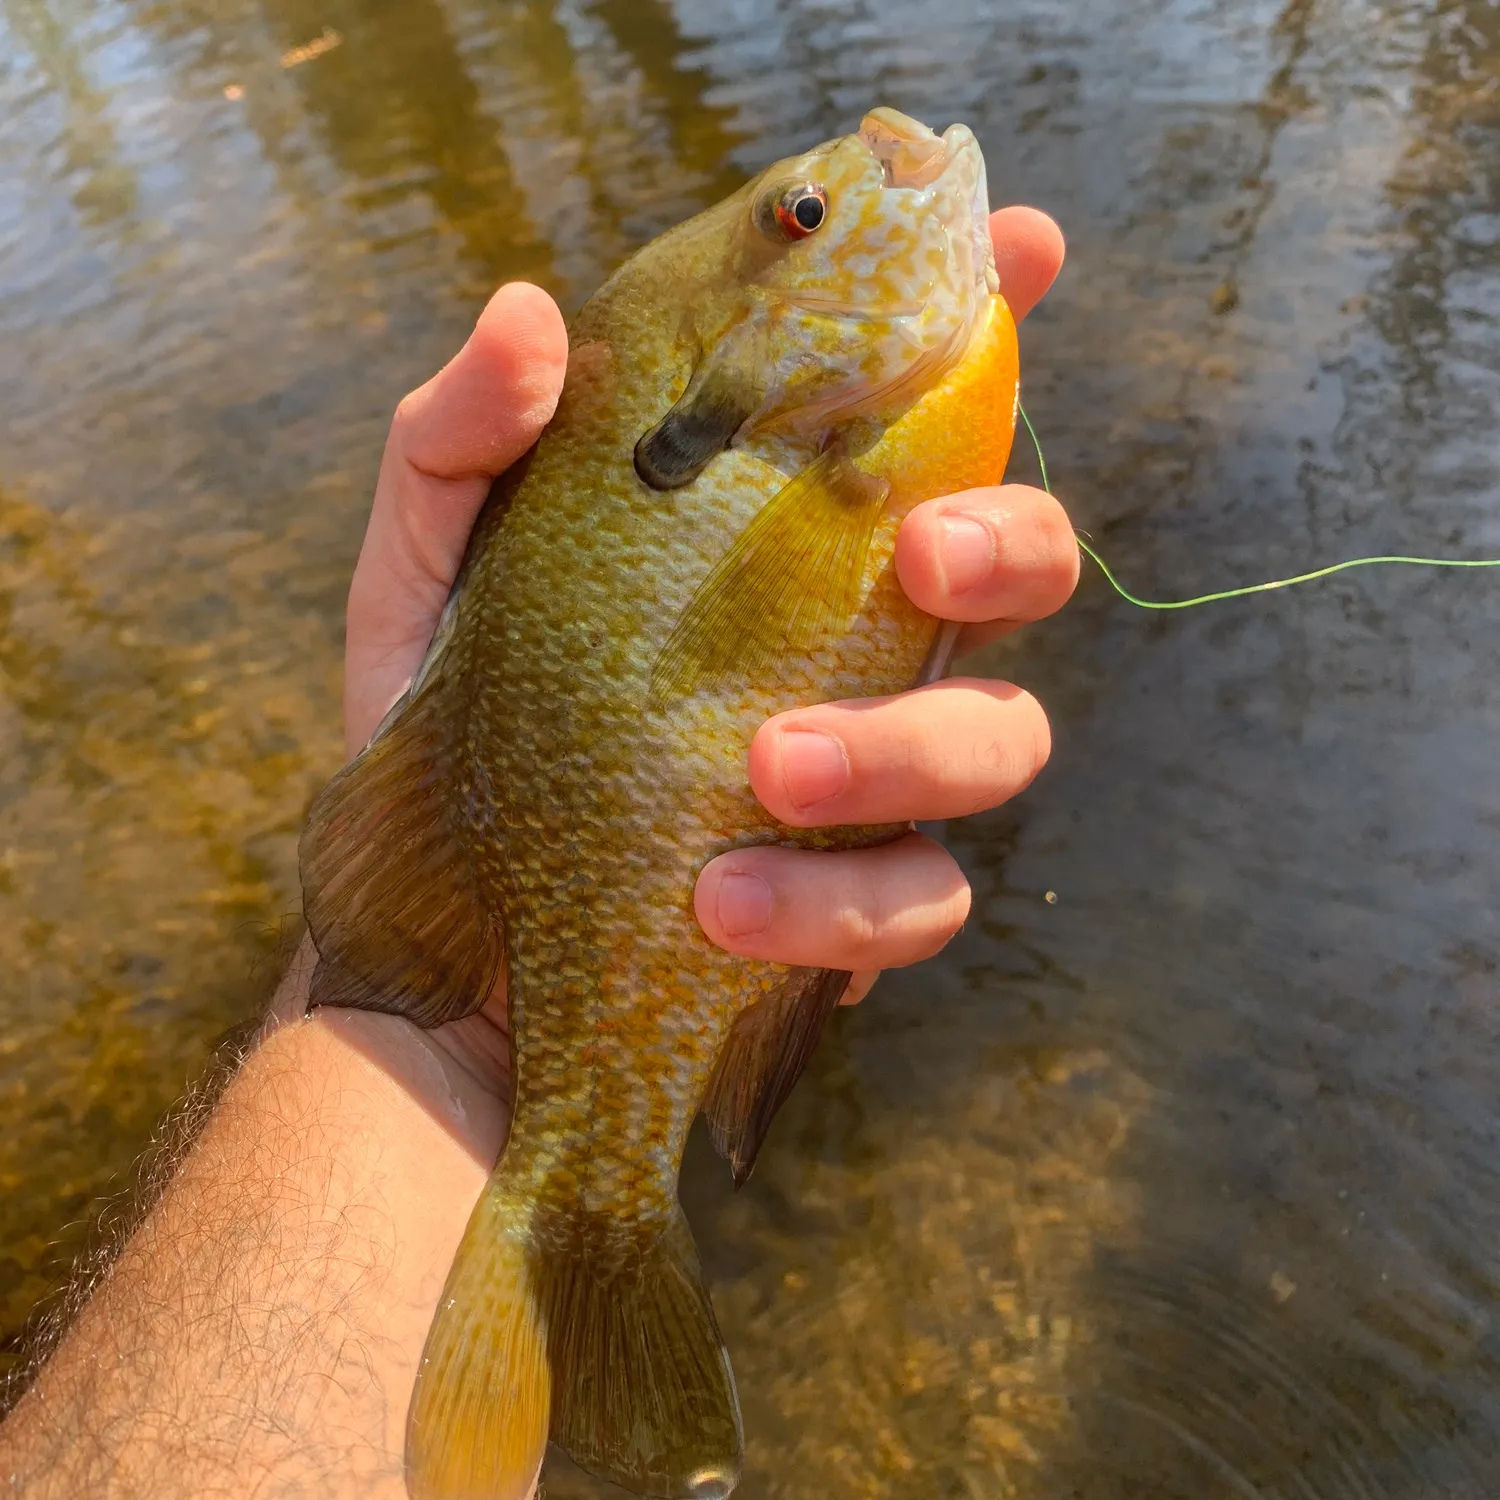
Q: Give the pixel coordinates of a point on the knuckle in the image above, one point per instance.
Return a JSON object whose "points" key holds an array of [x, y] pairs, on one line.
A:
{"points": [[1031, 742], [1029, 738], [857, 926], [930, 945], [1009, 746], [923, 927], [994, 775], [938, 931], [960, 906], [1059, 547], [947, 920], [408, 408]]}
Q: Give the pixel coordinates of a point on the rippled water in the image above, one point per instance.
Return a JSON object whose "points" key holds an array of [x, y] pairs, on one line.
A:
{"points": [[1183, 1184]]}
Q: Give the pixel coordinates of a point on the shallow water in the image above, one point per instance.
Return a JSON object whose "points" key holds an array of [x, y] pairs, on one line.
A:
{"points": [[1184, 1183]]}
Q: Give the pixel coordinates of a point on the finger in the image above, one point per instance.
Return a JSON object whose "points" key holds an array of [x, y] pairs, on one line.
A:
{"points": [[448, 440], [860, 985], [855, 909], [1004, 556], [937, 752], [1029, 251]]}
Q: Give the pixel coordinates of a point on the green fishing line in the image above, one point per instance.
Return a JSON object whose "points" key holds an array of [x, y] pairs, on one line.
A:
{"points": [[1254, 588]]}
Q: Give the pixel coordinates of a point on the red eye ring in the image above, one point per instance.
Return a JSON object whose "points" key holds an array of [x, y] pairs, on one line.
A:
{"points": [[801, 211]]}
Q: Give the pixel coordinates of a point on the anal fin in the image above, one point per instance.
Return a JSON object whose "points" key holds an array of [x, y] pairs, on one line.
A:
{"points": [[390, 889], [762, 1058]]}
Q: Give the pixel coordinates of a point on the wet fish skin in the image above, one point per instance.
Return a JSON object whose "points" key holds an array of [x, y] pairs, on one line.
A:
{"points": [[573, 752]]}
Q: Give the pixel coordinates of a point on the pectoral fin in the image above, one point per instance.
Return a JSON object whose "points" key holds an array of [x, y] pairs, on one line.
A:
{"points": [[790, 583], [763, 1057]]}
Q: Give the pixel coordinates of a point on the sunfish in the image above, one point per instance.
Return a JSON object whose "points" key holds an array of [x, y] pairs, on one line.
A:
{"points": [[702, 537]]}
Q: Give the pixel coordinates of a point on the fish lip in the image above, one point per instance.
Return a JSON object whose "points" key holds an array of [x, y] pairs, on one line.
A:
{"points": [[890, 123], [910, 154]]}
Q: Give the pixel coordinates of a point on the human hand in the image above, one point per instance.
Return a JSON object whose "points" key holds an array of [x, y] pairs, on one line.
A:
{"points": [[992, 558]]}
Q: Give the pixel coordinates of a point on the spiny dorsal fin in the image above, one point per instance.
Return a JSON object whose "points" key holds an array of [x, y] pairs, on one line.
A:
{"points": [[763, 1057], [790, 583]]}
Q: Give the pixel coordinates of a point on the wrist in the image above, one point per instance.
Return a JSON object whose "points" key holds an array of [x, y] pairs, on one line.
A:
{"points": [[264, 1324]]}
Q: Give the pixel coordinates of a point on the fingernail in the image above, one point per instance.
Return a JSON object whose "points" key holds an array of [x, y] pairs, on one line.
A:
{"points": [[968, 553], [744, 904], [814, 766]]}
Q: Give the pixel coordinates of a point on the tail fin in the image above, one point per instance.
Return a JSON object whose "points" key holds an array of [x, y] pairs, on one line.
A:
{"points": [[478, 1423], [593, 1332]]}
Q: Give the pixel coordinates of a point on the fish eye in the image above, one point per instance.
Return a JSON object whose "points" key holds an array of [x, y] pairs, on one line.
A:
{"points": [[801, 211], [795, 212]]}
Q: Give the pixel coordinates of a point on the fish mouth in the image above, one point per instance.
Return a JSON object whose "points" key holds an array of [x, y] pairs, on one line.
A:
{"points": [[910, 153], [912, 156]]}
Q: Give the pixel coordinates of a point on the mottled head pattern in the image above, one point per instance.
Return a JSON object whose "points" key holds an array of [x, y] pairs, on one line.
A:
{"points": [[856, 274], [883, 296]]}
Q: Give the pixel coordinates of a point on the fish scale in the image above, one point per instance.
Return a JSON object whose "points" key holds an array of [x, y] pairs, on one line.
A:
{"points": [[703, 537]]}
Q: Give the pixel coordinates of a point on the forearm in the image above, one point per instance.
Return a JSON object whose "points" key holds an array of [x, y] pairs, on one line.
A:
{"points": [[261, 1330]]}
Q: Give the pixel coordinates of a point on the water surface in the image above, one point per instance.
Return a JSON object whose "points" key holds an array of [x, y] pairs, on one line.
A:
{"points": [[1183, 1183]]}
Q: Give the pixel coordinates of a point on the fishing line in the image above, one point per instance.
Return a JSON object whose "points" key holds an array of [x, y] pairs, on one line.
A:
{"points": [[1255, 588]]}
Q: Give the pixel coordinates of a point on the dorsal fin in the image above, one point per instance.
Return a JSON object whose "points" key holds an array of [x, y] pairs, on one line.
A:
{"points": [[389, 882]]}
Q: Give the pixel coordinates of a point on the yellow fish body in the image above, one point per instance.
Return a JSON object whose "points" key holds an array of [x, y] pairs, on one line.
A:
{"points": [[702, 537]]}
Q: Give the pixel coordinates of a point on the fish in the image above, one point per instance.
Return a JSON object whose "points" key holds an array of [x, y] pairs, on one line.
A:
{"points": [[702, 537]]}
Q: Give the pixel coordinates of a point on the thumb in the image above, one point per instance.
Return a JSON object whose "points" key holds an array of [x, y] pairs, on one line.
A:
{"points": [[448, 441]]}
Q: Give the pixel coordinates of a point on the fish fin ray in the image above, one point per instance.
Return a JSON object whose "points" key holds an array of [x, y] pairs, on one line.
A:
{"points": [[480, 1411], [790, 582], [645, 1396], [390, 893], [632, 1381], [762, 1058]]}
